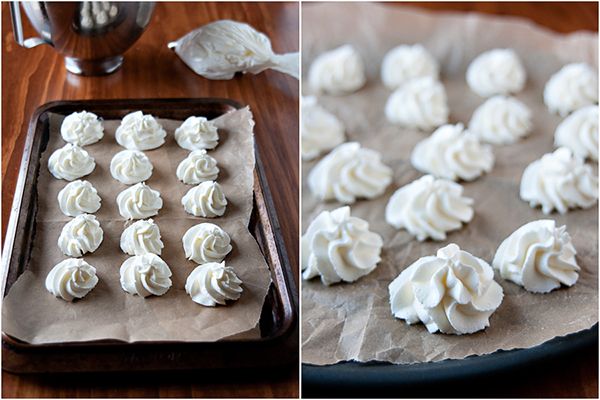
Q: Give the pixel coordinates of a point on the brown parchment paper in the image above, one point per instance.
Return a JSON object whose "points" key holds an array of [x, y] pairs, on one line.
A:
{"points": [[32, 314], [354, 321]]}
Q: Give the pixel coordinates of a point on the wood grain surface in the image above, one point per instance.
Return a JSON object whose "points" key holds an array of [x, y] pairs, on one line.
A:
{"points": [[33, 77]]}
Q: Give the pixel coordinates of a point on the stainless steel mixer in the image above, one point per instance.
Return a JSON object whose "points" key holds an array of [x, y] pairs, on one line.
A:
{"points": [[91, 35]]}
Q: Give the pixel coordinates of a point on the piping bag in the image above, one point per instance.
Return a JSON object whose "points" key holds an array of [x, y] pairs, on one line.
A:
{"points": [[220, 49]]}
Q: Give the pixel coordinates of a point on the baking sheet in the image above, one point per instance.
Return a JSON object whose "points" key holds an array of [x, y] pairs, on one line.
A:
{"points": [[354, 321], [33, 315]]}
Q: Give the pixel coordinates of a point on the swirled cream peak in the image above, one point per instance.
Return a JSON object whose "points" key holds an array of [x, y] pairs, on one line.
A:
{"points": [[197, 167], [82, 128], [349, 172], [131, 166], [338, 247], [321, 130], [197, 133], [560, 181], [71, 279], [497, 71], [338, 71], [452, 292], [452, 153], [406, 62], [579, 132], [213, 283], [70, 162], [420, 104], [573, 87], [205, 200], [206, 242], [139, 131], [145, 275], [81, 235], [429, 207], [139, 201], [141, 237], [501, 120], [78, 197], [538, 256]]}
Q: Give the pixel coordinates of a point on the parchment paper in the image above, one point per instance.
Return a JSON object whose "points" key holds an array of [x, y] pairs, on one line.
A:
{"points": [[354, 321], [32, 314]]}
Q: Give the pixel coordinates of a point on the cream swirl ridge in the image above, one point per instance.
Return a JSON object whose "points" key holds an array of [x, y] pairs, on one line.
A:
{"points": [[70, 162], [497, 71], [320, 131], [139, 201], [81, 235], [338, 71], [197, 167], [71, 279], [139, 131], [213, 283], [573, 87], [145, 275], [206, 242], [82, 128], [406, 62], [78, 197], [131, 166], [141, 237], [579, 132], [205, 200], [501, 120], [197, 133]]}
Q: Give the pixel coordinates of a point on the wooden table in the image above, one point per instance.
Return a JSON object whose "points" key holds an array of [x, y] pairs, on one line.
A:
{"points": [[33, 77]]}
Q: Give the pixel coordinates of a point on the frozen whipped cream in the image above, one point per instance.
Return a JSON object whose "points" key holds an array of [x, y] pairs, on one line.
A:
{"points": [[573, 87], [139, 131], [131, 166], [197, 167], [81, 235], [579, 132], [407, 62], [538, 256], [501, 120], [338, 71], [71, 279], [70, 162], [349, 172], [452, 153], [429, 207], [213, 283], [205, 200], [197, 133], [497, 71], [338, 247], [141, 237], [145, 275], [560, 181], [78, 197], [139, 201], [419, 104], [321, 131], [206, 242], [82, 128], [452, 292]]}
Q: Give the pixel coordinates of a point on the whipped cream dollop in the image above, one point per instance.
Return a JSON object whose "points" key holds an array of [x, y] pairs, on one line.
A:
{"points": [[197, 133], [559, 180], [131, 166], [205, 200], [141, 237], [71, 279], [82, 128], [406, 62], [338, 71], [70, 162], [573, 87], [538, 256], [213, 283], [349, 172], [145, 275], [429, 207], [139, 131], [338, 247], [197, 167], [497, 71], [501, 120], [206, 242], [452, 292], [78, 197], [81, 235], [419, 104], [452, 153], [320, 130], [139, 201], [579, 132]]}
